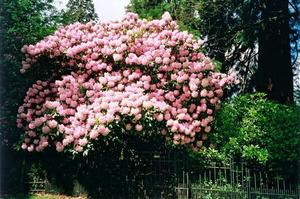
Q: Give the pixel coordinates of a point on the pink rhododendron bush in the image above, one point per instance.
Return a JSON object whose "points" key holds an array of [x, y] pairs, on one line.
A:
{"points": [[131, 73]]}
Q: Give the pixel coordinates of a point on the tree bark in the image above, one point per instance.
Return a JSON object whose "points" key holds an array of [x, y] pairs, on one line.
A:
{"points": [[275, 74]]}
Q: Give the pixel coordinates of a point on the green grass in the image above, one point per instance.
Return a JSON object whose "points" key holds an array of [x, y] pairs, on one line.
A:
{"points": [[30, 197], [43, 196]]}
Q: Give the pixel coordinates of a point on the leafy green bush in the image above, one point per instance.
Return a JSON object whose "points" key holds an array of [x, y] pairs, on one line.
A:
{"points": [[259, 131], [211, 190]]}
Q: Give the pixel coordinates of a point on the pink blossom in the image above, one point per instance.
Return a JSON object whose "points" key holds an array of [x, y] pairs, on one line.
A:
{"points": [[117, 57], [30, 148], [24, 146], [166, 16], [59, 147], [83, 142], [52, 124], [160, 117], [138, 127], [94, 134], [128, 127], [207, 129]]}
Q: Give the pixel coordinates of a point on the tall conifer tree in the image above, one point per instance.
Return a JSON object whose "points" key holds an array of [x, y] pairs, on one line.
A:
{"points": [[79, 10], [275, 73]]}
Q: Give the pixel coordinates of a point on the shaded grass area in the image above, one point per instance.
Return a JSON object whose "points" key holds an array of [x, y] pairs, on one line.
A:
{"points": [[43, 196]]}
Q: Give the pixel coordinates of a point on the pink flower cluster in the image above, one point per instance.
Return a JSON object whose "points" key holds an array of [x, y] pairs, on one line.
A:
{"points": [[125, 69]]}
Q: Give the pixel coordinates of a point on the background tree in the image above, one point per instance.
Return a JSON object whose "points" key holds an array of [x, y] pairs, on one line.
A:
{"points": [[275, 74], [22, 22], [79, 10]]}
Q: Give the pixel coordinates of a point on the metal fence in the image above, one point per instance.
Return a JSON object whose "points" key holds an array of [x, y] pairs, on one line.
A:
{"points": [[233, 181], [169, 175]]}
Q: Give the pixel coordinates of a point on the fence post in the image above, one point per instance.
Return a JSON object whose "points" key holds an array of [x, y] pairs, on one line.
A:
{"points": [[231, 176], [189, 186], [248, 177]]}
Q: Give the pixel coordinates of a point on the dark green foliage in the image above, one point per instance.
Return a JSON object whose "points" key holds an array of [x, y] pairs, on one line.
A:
{"points": [[259, 131], [79, 11], [22, 22]]}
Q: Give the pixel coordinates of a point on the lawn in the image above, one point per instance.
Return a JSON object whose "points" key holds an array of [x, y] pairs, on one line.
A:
{"points": [[44, 196]]}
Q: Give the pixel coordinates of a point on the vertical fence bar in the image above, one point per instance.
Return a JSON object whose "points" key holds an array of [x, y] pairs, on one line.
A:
{"points": [[188, 186], [248, 183]]}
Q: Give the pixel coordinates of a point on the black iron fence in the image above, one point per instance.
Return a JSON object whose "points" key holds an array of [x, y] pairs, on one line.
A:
{"points": [[171, 175], [234, 181], [212, 184]]}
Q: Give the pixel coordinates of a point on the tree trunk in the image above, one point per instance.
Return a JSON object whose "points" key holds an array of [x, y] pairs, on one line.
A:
{"points": [[275, 75]]}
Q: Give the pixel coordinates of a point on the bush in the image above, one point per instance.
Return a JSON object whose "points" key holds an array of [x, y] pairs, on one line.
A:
{"points": [[259, 131], [131, 74]]}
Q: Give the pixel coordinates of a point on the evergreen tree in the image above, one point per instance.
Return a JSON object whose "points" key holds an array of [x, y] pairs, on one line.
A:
{"points": [[79, 10], [22, 22], [275, 74]]}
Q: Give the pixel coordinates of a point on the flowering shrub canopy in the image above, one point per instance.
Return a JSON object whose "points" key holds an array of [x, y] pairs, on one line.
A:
{"points": [[120, 71]]}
